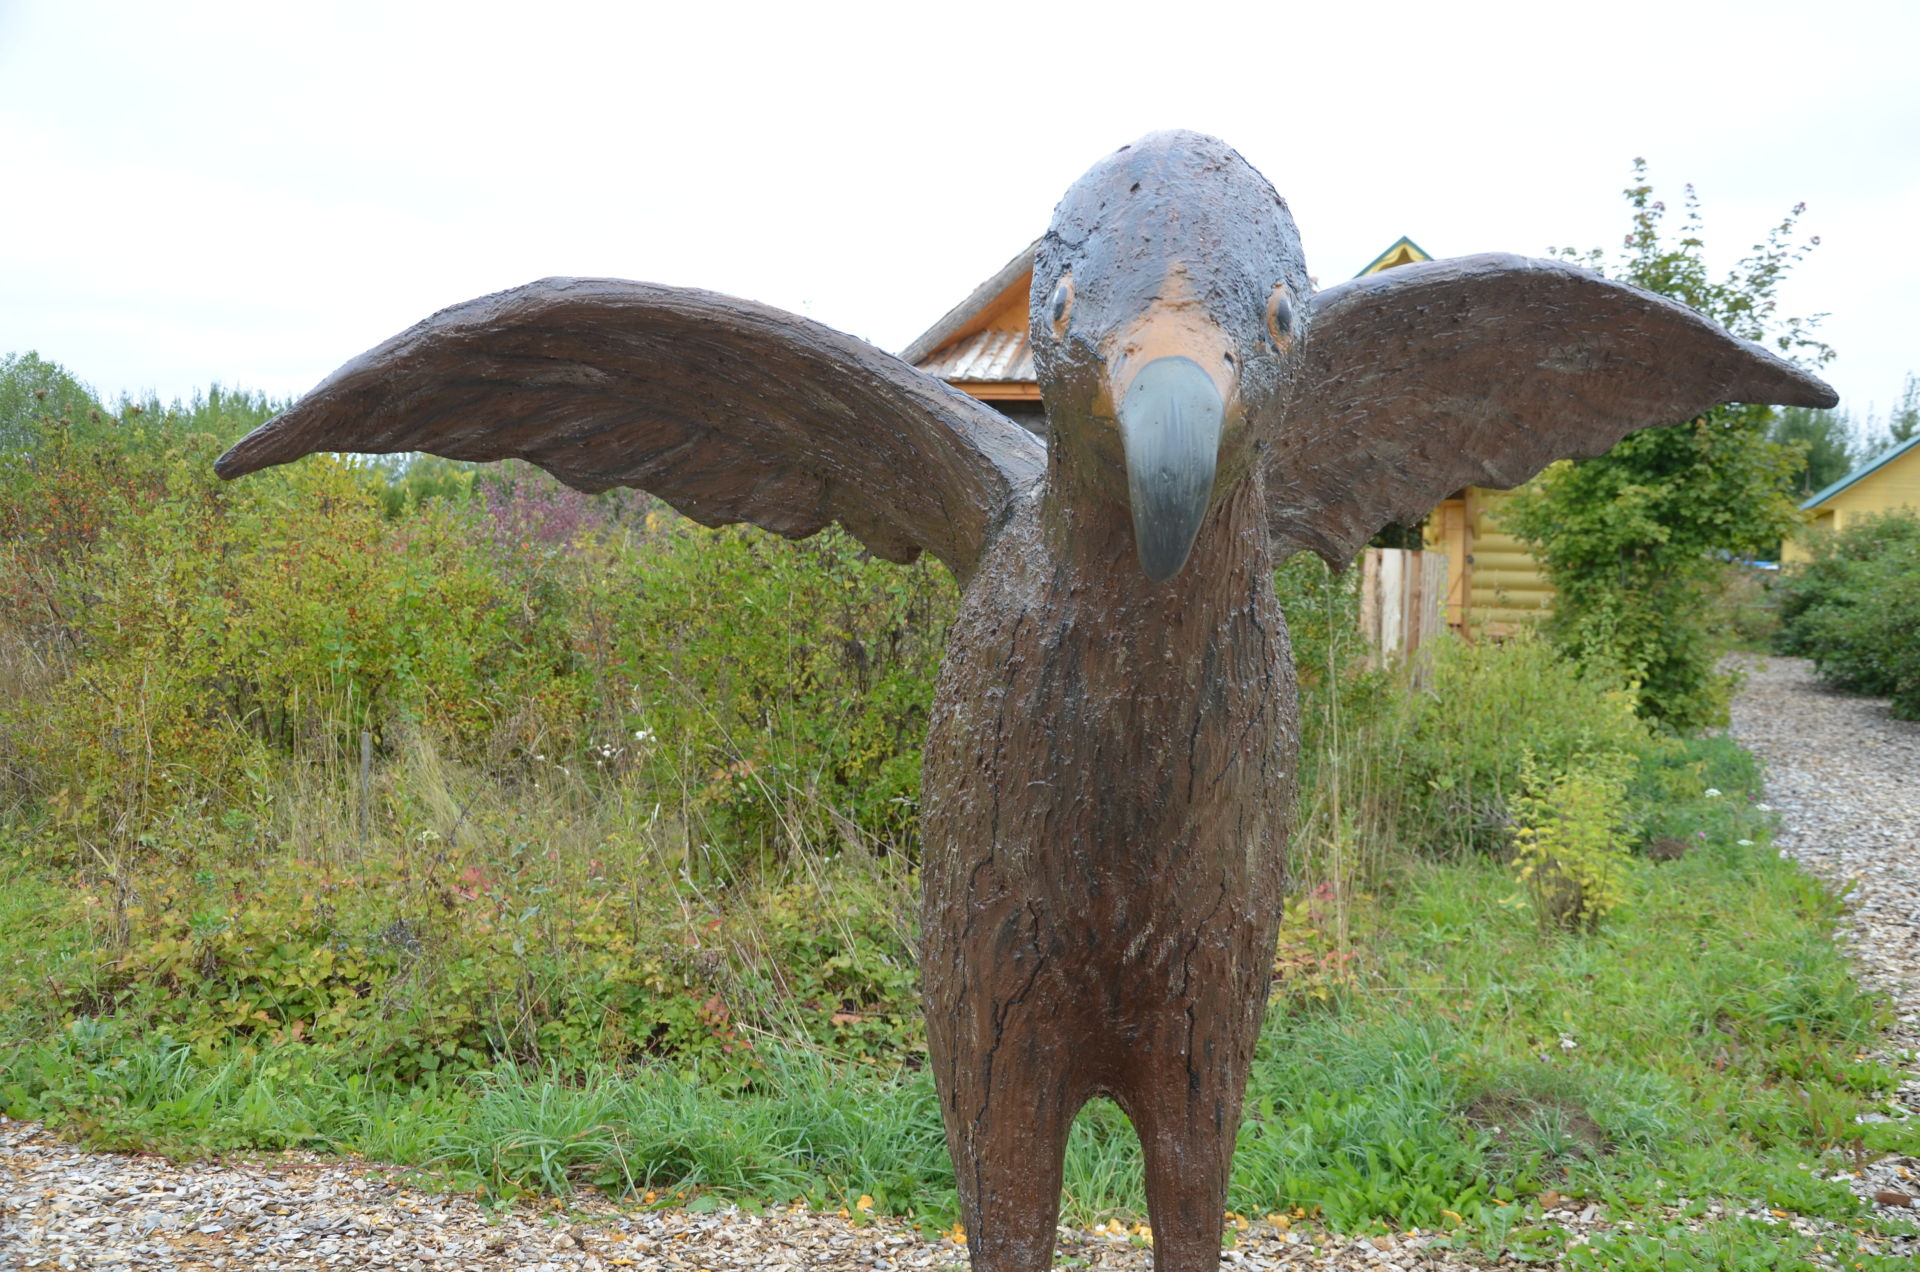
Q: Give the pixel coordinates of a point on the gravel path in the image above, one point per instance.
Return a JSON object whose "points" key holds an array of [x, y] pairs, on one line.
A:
{"points": [[1844, 776], [62, 1207]]}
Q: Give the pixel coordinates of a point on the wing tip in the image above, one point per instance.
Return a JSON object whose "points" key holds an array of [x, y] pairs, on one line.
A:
{"points": [[253, 452], [1816, 393], [1782, 383]]}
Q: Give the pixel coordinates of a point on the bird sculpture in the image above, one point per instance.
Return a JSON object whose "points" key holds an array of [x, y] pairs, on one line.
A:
{"points": [[1109, 766]]}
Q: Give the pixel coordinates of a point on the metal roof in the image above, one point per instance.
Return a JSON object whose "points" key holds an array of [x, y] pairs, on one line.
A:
{"points": [[987, 356], [1865, 470], [967, 310]]}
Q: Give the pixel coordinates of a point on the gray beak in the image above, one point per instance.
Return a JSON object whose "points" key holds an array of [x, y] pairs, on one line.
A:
{"points": [[1170, 424]]}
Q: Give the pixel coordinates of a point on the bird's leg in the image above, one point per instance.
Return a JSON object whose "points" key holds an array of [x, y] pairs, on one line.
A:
{"points": [[1007, 1115], [1006, 1059], [1187, 1168], [1184, 1098]]}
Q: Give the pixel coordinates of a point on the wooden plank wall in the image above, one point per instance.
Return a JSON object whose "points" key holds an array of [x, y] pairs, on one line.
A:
{"points": [[1402, 599]]}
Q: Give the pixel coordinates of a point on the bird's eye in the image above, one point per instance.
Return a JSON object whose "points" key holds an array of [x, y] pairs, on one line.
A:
{"points": [[1280, 316], [1061, 306]]}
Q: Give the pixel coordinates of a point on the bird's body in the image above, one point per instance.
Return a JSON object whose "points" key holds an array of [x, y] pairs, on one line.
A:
{"points": [[1109, 769], [1102, 864]]}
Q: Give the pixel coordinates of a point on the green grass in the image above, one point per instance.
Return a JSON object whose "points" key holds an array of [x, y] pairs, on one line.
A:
{"points": [[1705, 1042], [1735, 1245]]}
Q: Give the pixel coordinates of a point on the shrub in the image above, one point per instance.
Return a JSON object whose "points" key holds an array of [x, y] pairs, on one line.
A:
{"points": [[1854, 608], [779, 691], [1630, 539], [173, 641], [1485, 712], [1570, 837]]}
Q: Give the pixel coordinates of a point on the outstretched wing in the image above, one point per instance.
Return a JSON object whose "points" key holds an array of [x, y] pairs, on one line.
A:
{"points": [[1482, 370], [727, 409]]}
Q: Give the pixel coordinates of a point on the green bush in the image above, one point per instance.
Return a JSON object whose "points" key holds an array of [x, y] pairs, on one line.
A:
{"points": [[436, 958], [1632, 540], [1571, 838], [1483, 713], [173, 642], [786, 684], [590, 723], [1854, 608]]}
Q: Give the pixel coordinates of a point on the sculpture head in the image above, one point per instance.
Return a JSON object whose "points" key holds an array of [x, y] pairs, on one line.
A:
{"points": [[1168, 310]]}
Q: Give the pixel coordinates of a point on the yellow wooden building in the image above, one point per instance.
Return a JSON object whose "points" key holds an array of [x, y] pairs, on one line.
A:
{"points": [[1888, 481], [981, 347]]}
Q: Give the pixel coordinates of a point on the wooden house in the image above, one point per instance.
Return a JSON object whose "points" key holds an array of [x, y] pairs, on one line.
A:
{"points": [[981, 347], [1888, 481]]}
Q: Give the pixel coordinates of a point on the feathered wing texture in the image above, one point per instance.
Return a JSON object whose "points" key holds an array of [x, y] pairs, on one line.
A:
{"points": [[727, 409], [1482, 370]]}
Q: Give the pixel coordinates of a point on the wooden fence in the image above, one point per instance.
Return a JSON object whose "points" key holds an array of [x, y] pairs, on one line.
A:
{"points": [[1402, 597]]}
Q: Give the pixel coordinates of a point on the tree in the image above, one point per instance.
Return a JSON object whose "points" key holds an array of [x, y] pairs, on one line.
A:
{"points": [[1828, 450], [1835, 443], [1902, 422], [1634, 541], [36, 394], [1905, 420]]}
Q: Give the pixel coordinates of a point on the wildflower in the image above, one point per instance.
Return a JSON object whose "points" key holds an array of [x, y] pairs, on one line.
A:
{"points": [[1712, 793]]}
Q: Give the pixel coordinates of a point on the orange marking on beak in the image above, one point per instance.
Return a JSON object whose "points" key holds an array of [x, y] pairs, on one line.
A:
{"points": [[1175, 325]]}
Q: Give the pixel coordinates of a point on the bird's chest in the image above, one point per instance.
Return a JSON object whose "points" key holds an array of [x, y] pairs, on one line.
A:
{"points": [[1096, 735]]}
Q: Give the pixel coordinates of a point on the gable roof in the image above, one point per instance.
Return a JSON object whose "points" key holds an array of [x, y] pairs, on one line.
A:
{"points": [[970, 316], [1403, 252], [1865, 470]]}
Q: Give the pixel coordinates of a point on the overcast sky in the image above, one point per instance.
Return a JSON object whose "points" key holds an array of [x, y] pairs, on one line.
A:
{"points": [[252, 193]]}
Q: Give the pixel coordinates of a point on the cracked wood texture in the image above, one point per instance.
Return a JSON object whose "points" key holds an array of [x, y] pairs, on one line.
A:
{"points": [[1482, 370], [728, 409], [1102, 867]]}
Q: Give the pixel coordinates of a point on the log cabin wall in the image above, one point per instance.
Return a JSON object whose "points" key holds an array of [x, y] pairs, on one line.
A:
{"points": [[1494, 586]]}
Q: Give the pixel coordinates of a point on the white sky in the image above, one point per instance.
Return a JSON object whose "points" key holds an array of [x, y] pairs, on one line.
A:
{"points": [[252, 193]]}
